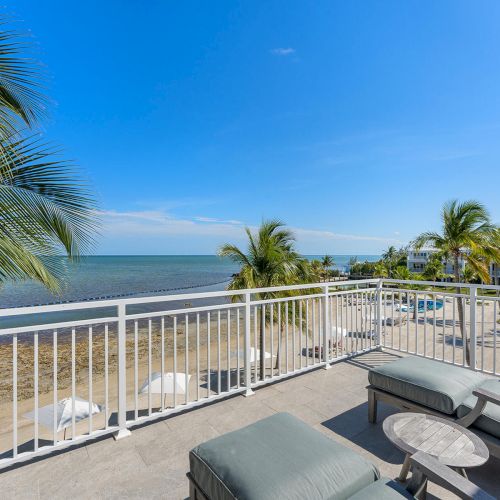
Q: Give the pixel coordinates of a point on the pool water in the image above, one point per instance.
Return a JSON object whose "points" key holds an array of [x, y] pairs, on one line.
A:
{"points": [[431, 305]]}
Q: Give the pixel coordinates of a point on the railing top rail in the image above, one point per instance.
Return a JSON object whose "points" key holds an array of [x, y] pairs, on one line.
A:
{"points": [[97, 304], [441, 284], [56, 326]]}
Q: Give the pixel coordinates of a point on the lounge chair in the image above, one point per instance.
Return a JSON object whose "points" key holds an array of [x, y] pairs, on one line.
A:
{"points": [[280, 457], [423, 385]]}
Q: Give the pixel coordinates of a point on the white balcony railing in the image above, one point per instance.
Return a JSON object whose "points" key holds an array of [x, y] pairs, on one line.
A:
{"points": [[111, 353]]}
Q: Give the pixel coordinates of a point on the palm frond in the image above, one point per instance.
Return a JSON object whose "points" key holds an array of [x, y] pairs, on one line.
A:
{"points": [[22, 102], [45, 208]]}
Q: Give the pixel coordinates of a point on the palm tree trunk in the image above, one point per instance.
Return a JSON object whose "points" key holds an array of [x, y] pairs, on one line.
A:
{"points": [[415, 308], [461, 310]]}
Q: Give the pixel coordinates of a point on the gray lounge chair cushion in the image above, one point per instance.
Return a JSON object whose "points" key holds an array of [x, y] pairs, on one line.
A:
{"points": [[382, 489], [276, 458], [430, 383], [489, 421]]}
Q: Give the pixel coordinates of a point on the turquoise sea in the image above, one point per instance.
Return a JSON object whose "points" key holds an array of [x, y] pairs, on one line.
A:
{"points": [[99, 277]]}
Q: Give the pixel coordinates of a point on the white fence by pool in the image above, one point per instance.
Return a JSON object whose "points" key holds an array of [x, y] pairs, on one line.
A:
{"points": [[209, 345]]}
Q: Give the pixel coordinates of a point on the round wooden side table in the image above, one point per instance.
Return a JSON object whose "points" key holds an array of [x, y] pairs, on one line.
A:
{"points": [[452, 444]]}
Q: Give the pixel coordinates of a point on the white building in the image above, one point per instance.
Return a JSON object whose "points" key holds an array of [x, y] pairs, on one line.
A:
{"points": [[418, 259]]}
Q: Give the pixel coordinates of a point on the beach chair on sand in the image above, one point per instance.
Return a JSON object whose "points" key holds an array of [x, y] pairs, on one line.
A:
{"points": [[281, 457]]}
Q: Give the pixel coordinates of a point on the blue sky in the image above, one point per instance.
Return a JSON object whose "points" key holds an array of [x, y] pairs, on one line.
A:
{"points": [[353, 122]]}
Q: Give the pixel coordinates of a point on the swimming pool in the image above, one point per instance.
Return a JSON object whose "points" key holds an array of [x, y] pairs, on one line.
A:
{"points": [[431, 305]]}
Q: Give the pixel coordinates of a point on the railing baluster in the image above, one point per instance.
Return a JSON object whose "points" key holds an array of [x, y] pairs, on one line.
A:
{"points": [[218, 354], [238, 349], [256, 346], [495, 336], [14, 395], [248, 364], [271, 337], [294, 332], [473, 337], [495, 302], [408, 323], [434, 353], [400, 346], [453, 329], [186, 360], [106, 375], [54, 387], [35, 388], [136, 369], [209, 372], [300, 332], [73, 383], [90, 380], [197, 357], [150, 392], [307, 332], [482, 335], [278, 351], [228, 349], [162, 363], [175, 362], [122, 373], [286, 336], [444, 326]]}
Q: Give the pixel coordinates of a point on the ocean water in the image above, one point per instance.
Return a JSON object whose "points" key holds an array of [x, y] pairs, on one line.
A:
{"points": [[108, 277], [99, 277]]}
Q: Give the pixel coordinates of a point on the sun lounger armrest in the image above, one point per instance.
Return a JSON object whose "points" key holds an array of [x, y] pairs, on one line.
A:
{"points": [[486, 395], [430, 468]]}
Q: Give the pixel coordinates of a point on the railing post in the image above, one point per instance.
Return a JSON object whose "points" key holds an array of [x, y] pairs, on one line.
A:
{"points": [[122, 375], [473, 338], [248, 362], [378, 311], [326, 329]]}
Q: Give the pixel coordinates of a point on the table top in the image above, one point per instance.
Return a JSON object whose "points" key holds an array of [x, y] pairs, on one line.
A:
{"points": [[449, 442]]}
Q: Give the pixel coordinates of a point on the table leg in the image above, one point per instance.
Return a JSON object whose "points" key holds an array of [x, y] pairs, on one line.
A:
{"points": [[405, 469]]}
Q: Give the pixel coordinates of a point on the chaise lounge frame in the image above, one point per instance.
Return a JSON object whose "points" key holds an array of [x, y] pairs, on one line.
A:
{"points": [[483, 396]]}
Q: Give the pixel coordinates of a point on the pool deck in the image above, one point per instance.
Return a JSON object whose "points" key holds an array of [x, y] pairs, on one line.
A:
{"points": [[153, 461]]}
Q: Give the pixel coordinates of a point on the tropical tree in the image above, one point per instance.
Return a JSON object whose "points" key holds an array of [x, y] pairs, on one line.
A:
{"points": [[269, 260], [468, 235], [45, 208], [469, 275], [327, 262], [317, 269], [380, 270], [433, 270]]}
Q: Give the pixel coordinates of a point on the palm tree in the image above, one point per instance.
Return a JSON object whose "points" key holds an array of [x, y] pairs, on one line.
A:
{"points": [[317, 269], [389, 257], [467, 235], [45, 208], [433, 270], [380, 270], [327, 262], [270, 260]]}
